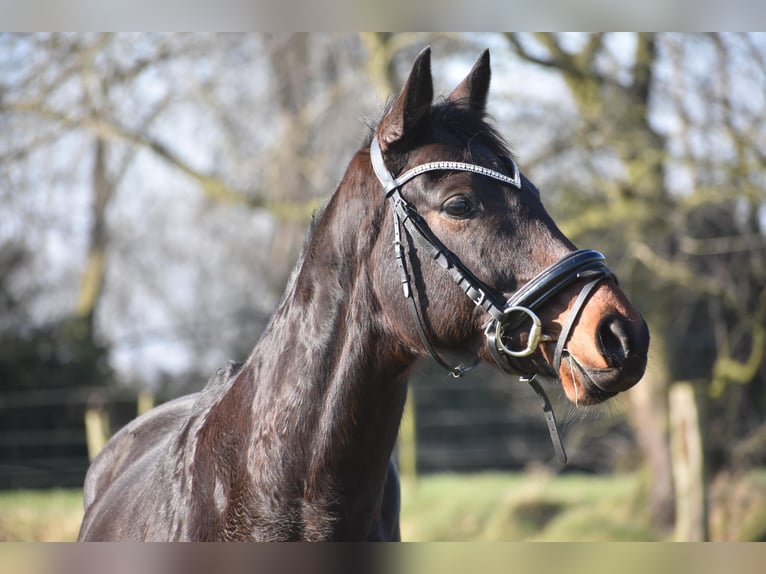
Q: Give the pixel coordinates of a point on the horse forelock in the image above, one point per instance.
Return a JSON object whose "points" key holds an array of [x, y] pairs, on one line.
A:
{"points": [[473, 128]]}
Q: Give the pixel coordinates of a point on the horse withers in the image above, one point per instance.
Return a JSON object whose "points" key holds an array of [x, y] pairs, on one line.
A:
{"points": [[433, 243]]}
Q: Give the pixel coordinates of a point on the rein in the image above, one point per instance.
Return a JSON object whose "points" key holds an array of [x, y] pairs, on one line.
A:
{"points": [[506, 316]]}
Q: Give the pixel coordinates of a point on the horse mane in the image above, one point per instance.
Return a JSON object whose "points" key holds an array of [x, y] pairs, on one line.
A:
{"points": [[309, 235]]}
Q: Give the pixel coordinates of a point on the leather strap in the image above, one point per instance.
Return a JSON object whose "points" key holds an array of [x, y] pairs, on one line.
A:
{"points": [[573, 315], [550, 418], [418, 230], [458, 370]]}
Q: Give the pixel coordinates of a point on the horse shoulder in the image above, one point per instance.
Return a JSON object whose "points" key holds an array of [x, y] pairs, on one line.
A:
{"points": [[132, 452]]}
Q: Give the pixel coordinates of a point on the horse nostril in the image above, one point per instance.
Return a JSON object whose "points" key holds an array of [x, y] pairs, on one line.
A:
{"points": [[614, 340]]}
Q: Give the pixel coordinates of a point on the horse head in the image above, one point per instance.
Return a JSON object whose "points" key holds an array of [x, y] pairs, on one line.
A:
{"points": [[485, 269]]}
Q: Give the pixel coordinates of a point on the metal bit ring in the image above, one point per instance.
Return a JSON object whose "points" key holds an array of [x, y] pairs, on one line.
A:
{"points": [[535, 333]]}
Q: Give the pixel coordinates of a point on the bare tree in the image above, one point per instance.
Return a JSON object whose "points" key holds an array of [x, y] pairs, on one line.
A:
{"points": [[674, 154], [181, 156], [91, 121]]}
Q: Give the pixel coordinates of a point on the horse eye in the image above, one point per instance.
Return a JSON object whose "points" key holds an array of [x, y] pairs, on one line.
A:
{"points": [[457, 207]]}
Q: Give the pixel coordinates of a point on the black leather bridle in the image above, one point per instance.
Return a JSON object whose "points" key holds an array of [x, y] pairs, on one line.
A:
{"points": [[506, 315]]}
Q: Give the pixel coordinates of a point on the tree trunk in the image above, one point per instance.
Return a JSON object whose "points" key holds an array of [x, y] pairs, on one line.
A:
{"points": [[688, 459], [92, 281], [648, 417]]}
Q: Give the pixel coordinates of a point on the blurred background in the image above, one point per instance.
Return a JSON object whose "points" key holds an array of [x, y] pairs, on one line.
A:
{"points": [[154, 194]]}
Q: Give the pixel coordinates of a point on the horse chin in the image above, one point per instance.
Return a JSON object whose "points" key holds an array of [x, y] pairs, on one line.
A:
{"points": [[581, 385]]}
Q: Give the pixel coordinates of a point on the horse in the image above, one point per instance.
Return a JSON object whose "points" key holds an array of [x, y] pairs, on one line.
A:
{"points": [[433, 243]]}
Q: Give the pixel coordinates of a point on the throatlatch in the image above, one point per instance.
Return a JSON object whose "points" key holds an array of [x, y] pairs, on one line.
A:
{"points": [[506, 316]]}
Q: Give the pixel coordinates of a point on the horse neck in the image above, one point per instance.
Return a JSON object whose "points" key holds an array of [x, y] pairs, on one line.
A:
{"points": [[328, 385]]}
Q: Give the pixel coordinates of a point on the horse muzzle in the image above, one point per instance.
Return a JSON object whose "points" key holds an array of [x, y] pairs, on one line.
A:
{"points": [[623, 345], [601, 347]]}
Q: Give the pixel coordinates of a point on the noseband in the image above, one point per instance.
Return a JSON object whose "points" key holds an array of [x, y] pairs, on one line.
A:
{"points": [[506, 315]]}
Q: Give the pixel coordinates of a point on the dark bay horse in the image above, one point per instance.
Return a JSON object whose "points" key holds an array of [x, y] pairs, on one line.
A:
{"points": [[295, 443]]}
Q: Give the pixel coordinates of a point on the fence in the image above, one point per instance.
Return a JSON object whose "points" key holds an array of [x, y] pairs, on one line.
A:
{"points": [[489, 421], [43, 439], [484, 421]]}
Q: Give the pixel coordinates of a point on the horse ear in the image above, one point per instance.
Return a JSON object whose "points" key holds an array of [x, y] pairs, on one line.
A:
{"points": [[411, 106], [472, 91]]}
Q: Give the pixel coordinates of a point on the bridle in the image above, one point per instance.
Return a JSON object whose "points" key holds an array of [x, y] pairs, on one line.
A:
{"points": [[506, 315]]}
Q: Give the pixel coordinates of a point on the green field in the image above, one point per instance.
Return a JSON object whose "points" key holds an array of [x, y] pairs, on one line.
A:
{"points": [[476, 507], [501, 506], [40, 515]]}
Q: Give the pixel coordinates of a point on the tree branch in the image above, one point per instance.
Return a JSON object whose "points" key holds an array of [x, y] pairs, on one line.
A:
{"points": [[592, 49], [645, 54], [677, 273], [522, 52], [727, 369], [213, 186]]}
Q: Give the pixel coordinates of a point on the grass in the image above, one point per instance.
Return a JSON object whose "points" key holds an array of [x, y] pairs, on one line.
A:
{"points": [[40, 515], [500, 506], [474, 507]]}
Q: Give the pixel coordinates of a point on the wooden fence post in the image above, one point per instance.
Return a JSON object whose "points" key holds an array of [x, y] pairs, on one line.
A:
{"points": [[407, 446], [688, 461], [96, 426], [145, 402]]}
